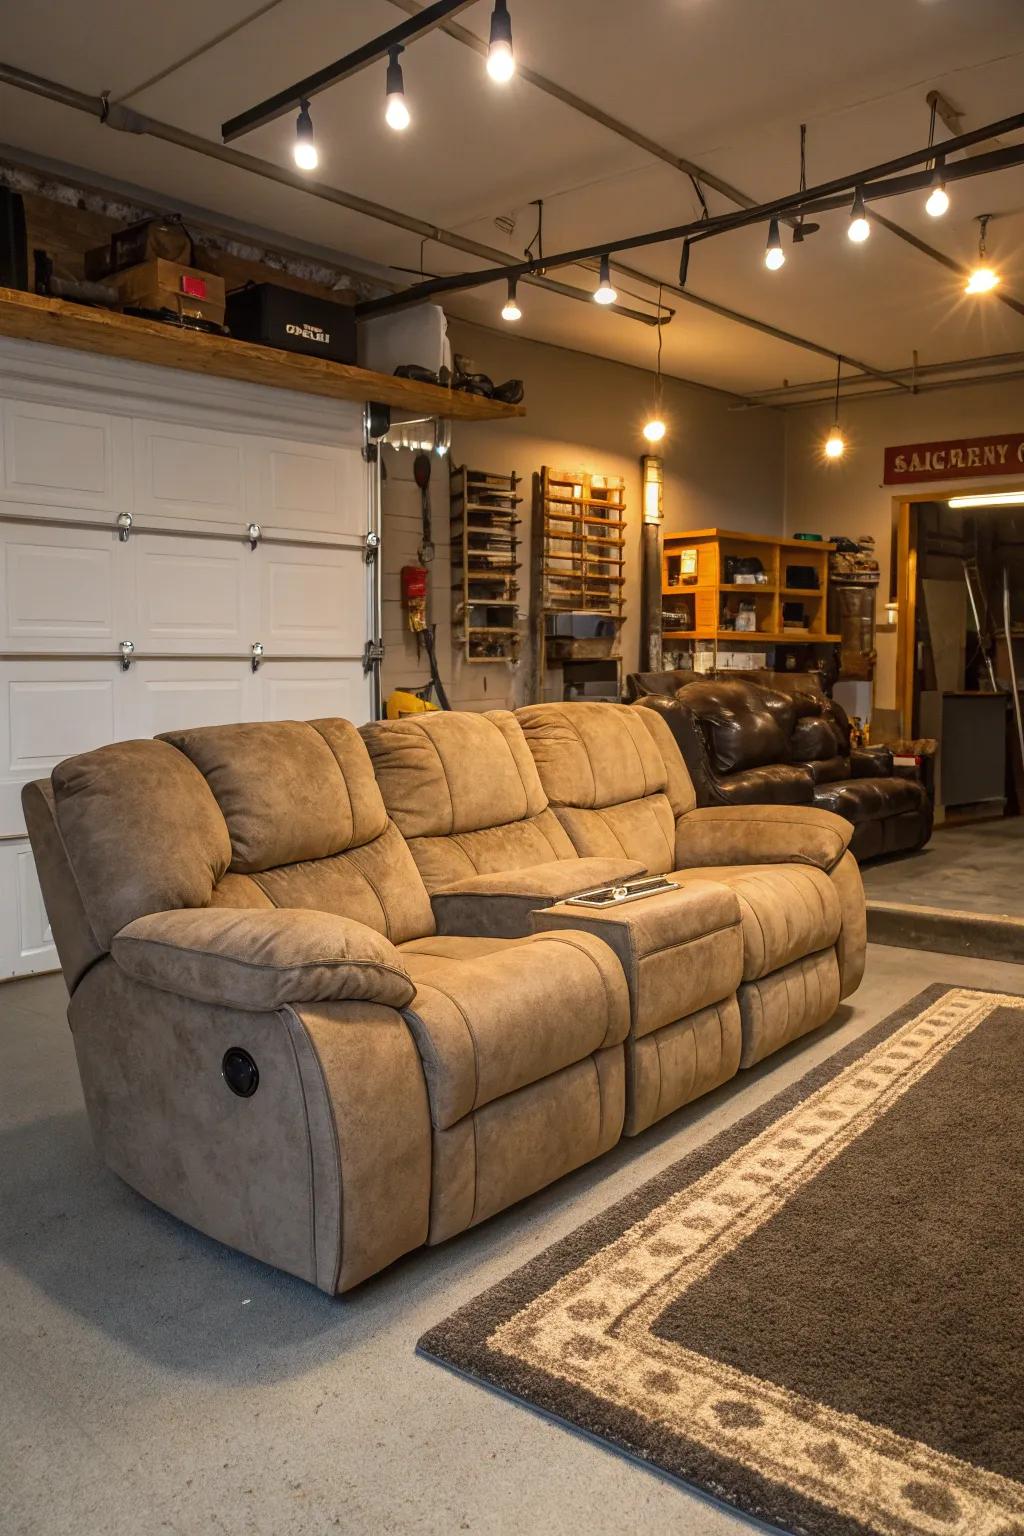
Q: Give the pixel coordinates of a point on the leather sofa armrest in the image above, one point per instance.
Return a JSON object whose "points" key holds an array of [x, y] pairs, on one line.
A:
{"points": [[871, 763], [761, 834], [499, 905], [262, 960]]}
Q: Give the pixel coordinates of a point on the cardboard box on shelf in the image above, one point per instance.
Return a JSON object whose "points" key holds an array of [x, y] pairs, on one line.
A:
{"points": [[169, 285]]}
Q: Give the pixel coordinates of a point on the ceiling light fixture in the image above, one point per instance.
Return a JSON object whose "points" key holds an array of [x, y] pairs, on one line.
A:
{"points": [[859, 227], [982, 278], [938, 197], [501, 64], [774, 256], [604, 293], [654, 427], [988, 499], [305, 151], [396, 113], [511, 310], [835, 443]]}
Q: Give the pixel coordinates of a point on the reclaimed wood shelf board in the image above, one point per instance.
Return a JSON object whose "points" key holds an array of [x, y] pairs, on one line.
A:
{"points": [[29, 317]]}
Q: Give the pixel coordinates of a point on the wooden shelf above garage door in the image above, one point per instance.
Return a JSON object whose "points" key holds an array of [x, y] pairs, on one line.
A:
{"points": [[29, 317]]}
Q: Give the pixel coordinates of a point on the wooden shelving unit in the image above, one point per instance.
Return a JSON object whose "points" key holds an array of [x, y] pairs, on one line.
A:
{"points": [[29, 317], [578, 572], [693, 571], [485, 546]]}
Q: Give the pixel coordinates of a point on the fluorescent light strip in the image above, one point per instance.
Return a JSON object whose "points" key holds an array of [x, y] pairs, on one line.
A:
{"points": [[988, 499]]}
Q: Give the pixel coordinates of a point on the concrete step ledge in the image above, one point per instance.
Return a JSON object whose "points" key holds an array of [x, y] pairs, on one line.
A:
{"points": [[982, 936]]}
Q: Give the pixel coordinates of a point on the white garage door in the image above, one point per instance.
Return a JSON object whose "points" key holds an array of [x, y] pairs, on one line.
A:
{"points": [[219, 627]]}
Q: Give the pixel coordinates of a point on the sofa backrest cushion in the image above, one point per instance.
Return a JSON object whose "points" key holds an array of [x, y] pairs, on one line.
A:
{"points": [[462, 787], [744, 725], [142, 831], [307, 823], [614, 784]]}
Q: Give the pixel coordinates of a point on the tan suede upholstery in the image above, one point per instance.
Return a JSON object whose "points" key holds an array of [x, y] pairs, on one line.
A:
{"points": [[141, 796], [501, 904], [263, 959], [487, 1019], [801, 902], [681, 1063], [77, 946], [463, 789]]}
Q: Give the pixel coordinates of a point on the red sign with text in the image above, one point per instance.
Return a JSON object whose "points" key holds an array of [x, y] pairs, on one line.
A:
{"points": [[961, 458]]}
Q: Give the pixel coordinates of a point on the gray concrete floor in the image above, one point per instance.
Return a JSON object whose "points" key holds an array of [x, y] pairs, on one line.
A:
{"points": [[977, 867], [153, 1381]]}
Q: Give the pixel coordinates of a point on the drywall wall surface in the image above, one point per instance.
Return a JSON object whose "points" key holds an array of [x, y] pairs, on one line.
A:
{"points": [[723, 468], [849, 498]]}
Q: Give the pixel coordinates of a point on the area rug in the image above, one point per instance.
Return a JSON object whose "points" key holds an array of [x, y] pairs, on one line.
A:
{"points": [[818, 1318]]}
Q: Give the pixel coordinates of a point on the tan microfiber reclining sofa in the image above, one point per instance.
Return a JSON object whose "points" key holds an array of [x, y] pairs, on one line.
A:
{"points": [[285, 1042]]}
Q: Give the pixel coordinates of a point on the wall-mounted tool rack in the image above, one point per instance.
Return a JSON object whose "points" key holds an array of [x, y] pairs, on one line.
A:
{"points": [[484, 555]]}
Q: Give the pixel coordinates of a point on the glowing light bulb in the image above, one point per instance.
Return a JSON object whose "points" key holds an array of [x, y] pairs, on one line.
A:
{"points": [[982, 280], [501, 64], [654, 430], [604, 293], [305, 151], [511, 310], [396, 113], [859, 229], [774, 256], [938, 202], [835, 444]]}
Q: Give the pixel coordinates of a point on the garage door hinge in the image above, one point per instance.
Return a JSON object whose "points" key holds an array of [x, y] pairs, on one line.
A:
{"points": [[127, 647], [124, 526], [373, 654], [371, 546], [257, 654], [254, 534]]}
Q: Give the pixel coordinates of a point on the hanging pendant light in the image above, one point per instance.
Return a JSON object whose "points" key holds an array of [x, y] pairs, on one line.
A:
{"points": [[938, 197], [835, 443], [501, 64], [982, 278], [305, 151], [654, 427], [774, 255], [859, 228], [396, 113], [604, 293], [511, 310]]}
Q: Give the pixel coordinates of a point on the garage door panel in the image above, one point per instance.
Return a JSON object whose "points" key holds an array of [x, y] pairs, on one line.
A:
{"points": [[195, 595], [308, 601], [314, 691], [62, 456], [189, 472], [26, 943], [308, 486], [172, 697], [59, 588], [52, 710]]}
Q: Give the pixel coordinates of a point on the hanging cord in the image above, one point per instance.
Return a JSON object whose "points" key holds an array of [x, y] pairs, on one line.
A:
{"points": [[538, 238], [839, 370], [657, 375], [705, 211], [931, 126]]}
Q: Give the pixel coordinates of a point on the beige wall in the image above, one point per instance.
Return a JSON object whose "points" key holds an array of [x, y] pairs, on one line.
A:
{"points": [[849, 497], [723, 468]]}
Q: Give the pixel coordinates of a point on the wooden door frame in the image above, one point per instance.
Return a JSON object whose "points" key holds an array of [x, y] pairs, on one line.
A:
{"points": [[905, 522]]}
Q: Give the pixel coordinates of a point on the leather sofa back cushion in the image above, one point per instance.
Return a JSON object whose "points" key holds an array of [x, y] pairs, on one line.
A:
{"points": [[813, 740], [454, 772], [745, 726], [142, 831], [590, 756], [289, 790]]}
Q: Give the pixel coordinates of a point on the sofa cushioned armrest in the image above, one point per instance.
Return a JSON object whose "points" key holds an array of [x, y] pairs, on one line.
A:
{"points": [[262, 960], [761, 834], [499, 905], [870, 763]]}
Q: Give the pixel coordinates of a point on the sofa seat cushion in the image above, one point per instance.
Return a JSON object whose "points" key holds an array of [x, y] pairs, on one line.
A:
{"points": [[786, 910], [492, 1015], [871, 799]]}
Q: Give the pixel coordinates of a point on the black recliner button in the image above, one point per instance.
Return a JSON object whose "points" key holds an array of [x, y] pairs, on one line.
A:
{"points": [[240, 1072]]}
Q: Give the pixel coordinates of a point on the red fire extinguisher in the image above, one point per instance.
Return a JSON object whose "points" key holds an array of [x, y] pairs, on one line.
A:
{"points": [[414, 601]]}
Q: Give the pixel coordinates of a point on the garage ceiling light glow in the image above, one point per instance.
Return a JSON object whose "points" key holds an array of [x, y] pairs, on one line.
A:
{"points": [[987, 499], [305, 151], [859, 227], [511, 310], [938, 198], [396, 113], [501, 64], [604, 293], [774, 256]]}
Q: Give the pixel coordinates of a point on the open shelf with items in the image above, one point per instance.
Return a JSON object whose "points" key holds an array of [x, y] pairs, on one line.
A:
{"points": [[578, 579], [747, 589], [484, 555]]}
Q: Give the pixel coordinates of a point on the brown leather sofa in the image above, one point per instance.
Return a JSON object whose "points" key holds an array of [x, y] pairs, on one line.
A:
{"points": [[745, 743], [325, 1034]]}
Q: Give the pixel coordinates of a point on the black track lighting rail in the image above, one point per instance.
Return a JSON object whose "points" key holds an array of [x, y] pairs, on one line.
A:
{"points": [[342, 69], [875, 182]]}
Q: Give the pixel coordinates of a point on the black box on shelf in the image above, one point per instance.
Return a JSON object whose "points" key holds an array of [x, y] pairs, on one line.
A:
{"points": [[293, 321]]}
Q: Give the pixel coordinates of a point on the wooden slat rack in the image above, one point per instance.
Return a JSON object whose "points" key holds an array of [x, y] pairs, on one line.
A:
{"points": [[578, 572], [485, 547]]}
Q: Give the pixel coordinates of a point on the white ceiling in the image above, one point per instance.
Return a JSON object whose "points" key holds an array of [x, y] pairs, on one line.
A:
{"points": [[724, 83]]}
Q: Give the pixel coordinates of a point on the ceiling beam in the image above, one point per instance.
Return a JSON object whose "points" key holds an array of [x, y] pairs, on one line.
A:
{"points": [[342, 69], [877, 181]]}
